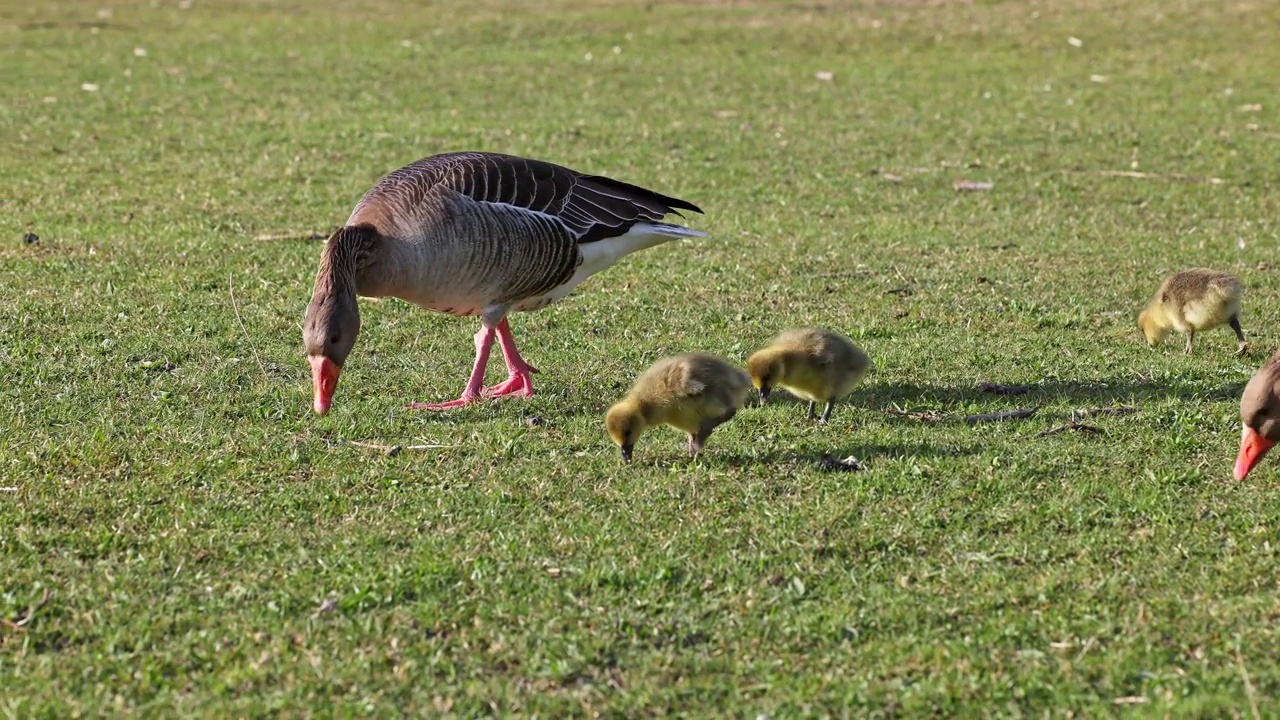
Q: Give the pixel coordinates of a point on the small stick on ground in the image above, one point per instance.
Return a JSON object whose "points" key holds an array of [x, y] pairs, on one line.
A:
{"points": [[1073, 425], [913, 414], [1249, 692], [269, 237], [235, 306], [1097, 412], [388, 450], [23, 618], [999, 389], [1151, 176], [1020, 414], [1161, 176], [393, 450]]}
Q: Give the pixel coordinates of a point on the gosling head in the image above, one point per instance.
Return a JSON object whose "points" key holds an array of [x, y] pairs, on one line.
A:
{"points": [[1152, 329], [766, 368], [625, 424]]}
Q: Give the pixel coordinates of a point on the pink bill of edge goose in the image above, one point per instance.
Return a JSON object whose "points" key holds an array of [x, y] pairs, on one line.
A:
{"points": [[1259, 416], [476, 233]]}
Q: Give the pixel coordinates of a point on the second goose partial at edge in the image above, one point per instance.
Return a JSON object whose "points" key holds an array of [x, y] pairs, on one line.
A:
{"points": [[476, 233], [1259, 416]]}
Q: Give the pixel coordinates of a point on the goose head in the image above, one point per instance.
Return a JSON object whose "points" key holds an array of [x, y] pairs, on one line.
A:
{"points": [[332, 320], [1260, 417], [767, 368], [329, 332]]}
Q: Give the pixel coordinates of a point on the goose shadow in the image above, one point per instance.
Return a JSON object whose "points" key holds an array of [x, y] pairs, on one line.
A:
{"points": [[1080, 394], [829, 459]]}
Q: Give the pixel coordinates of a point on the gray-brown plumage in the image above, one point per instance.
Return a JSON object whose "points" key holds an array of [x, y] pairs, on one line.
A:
{"points": [[693, 392], [476, 234], [815, 364], [1259, 416], [1192, 300]]}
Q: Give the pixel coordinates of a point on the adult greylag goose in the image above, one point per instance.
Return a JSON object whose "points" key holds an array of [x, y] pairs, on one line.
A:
{"points": [[475, 233], [1259, 416]]}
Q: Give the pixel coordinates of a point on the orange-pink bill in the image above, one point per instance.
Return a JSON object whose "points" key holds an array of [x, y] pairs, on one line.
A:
{"points": [[1252, 448], [324, 378]]}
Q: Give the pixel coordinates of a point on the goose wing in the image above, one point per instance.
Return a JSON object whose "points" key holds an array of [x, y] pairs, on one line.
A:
{"points": [[590, 207]]}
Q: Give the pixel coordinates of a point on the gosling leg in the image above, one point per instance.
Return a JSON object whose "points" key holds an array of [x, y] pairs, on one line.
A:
{"points": [[826, 412], [698, 440], [1242, 345]]}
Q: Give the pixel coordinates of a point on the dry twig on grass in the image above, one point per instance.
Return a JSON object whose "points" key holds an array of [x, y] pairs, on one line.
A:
{"points": [[253, 347], [1073, 425], [388, 450], [22, 618], [1096, 412], [393, 450], [1157, 176], [1019, 414], [1249, 691], [913, 414]]}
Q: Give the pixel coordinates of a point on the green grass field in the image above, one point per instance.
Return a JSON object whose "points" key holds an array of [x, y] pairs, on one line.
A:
{"points": [[206, 546]]}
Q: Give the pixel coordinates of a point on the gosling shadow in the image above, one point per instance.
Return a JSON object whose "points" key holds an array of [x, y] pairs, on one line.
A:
{"points": [[1080, 394], [829, 457]]}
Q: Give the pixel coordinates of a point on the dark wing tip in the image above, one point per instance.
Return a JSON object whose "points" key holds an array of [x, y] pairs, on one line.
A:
{"points": [[673, 204], [677, 204]]}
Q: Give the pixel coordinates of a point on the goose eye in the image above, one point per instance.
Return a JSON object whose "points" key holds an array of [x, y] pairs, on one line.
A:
{"points": [[333, 340]]}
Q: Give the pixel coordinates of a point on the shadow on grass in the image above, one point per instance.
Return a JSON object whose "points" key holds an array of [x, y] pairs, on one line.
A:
{"points": [[1099, 394], [866, 455], [821, 459]]}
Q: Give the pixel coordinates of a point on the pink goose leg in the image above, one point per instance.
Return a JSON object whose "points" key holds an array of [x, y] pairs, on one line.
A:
{"points": [[519, 381], [484, 343]]}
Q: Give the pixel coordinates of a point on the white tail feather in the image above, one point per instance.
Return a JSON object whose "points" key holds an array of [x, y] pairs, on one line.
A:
{"points": [[601, 254], [674, 231], [598, 255]]}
